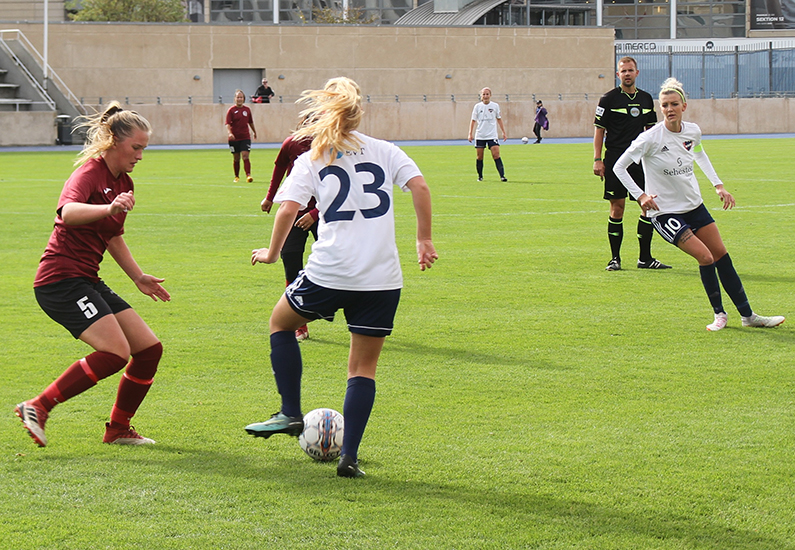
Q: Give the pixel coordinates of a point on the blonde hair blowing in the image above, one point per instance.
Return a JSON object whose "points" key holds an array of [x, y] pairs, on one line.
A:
{"points": [[672, 85], [332, 115], [105, 129]]}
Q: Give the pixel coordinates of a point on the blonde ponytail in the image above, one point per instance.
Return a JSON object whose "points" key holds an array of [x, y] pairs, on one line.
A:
{"points": [[332, 115]]}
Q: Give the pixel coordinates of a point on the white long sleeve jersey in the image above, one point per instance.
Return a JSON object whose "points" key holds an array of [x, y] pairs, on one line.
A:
{"points": [[667, 159]]}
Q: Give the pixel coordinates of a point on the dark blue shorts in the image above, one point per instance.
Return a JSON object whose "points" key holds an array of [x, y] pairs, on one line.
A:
{"points": [[239, 146], [483, 143], [370, 312], [671, 226], [78, 303]]}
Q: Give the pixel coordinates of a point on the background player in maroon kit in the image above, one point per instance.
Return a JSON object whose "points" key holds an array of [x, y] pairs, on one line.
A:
{"points": [[238, 119], [89, 220], [292, 253]]}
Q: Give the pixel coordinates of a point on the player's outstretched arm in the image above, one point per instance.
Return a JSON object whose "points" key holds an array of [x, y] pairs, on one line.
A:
{"points": [[282, 224], [148, 284], [421, 196]]}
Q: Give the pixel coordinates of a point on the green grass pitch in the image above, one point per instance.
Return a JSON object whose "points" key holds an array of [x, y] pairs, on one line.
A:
{"points": [[527, 398]]}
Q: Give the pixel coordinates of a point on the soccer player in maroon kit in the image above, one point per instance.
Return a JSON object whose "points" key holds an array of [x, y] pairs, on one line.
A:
{"points": [[89, 220], [292, 253], [238, 119]]}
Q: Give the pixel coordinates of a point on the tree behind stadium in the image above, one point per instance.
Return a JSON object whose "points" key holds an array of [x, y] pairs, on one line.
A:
{"points": [[149, 11]]}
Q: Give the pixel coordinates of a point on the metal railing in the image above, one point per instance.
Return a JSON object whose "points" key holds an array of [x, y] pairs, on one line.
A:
{"points": [[98, 101], [766, 71], [31, 79], [19, 103], [19, 36]]}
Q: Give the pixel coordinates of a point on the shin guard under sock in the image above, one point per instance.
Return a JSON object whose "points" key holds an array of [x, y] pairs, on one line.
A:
{"points": [[287, 368], [710, 281], [645, 234], [134, 384], [80, 376], [359, 399], [500, 167], [615, 235], [733, 286], [479, 166]]}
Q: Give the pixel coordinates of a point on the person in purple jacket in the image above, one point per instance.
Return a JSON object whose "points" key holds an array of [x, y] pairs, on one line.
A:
{"points": [[541, 121]]}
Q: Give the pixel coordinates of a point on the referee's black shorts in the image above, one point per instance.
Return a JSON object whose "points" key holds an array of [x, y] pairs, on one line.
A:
{"points": [[614, 189]]}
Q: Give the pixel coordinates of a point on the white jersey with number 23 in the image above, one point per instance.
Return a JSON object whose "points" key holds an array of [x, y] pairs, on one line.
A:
{"points": [[356, 247]]}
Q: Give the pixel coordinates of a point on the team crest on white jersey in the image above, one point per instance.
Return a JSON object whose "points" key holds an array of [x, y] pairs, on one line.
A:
{"points": [[688, 144]]}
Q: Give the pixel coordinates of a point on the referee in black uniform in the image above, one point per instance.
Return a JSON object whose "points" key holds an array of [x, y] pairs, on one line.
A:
{"points": [[622, 114]]}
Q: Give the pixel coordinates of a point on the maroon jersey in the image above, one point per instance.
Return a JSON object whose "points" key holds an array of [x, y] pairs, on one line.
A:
{"points": [[291, 149], [77, 250], [238, 118]]}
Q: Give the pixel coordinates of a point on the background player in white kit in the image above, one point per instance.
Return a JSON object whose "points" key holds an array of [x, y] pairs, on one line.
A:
{"points": [[486, 117], [354, 264], [673, 202]]}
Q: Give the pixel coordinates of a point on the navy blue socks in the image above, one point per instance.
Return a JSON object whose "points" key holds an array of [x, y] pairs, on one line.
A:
{"points": [[500, 168], [711, 285], [734, 287], [359, 399], [731, 283], [287, 369]]}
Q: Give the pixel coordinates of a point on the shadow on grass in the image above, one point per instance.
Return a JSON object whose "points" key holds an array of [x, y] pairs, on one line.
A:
{"points": [[780, 279], [683, 265], [452, 354], [513, 505]]}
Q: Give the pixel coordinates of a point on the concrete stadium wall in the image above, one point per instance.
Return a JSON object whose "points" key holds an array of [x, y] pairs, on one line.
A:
{"points": [[114, 61], [149, 60], [392, 121], [27, 128], [203, 124]]}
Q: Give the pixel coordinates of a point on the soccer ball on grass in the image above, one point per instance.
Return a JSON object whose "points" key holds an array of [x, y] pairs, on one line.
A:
{"points": [[322, 435]]}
